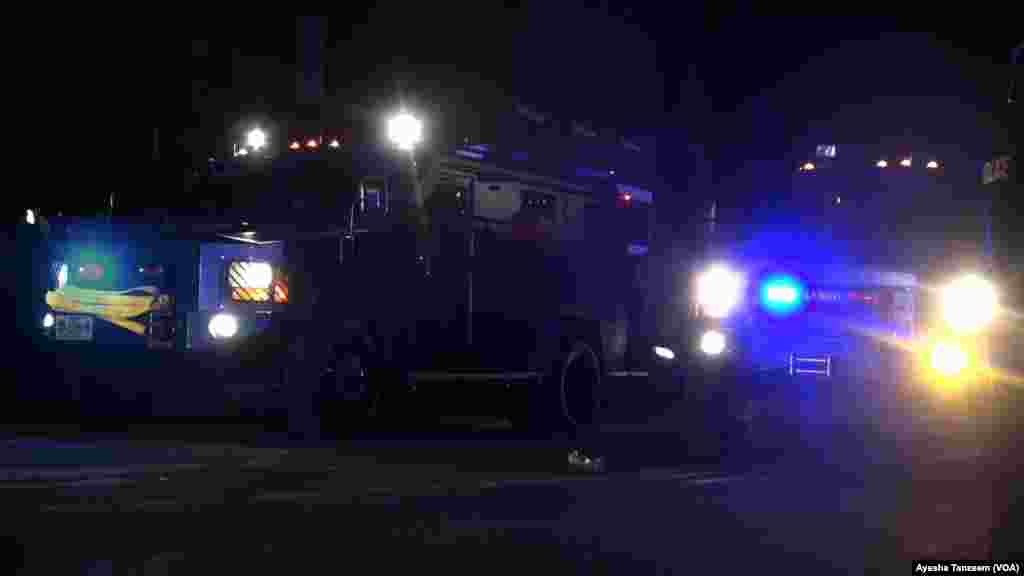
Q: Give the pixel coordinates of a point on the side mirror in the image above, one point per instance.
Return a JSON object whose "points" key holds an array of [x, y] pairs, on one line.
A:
{"points": [[373, 196], [371, 204]]}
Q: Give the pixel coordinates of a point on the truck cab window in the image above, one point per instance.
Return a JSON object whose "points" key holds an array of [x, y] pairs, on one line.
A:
{"points": [[372, 195]]}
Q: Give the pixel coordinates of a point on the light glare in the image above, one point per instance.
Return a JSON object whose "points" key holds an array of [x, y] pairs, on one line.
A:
{"points": [[718, 291], [712, 343], [223, 326], [969, 303], [949, 359], [405, 131], [664, 353], [256, 139]]}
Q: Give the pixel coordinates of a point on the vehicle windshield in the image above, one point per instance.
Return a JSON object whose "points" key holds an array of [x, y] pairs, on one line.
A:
{"points": [[267, 192], [893, 220]]}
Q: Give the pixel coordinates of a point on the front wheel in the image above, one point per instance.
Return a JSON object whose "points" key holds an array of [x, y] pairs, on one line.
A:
{"points": [[566, 396]]}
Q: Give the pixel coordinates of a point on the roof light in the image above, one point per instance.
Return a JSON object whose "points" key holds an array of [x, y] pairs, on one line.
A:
{"points": [[312, 143], [295, 145], [334, 143], [256, 139], [807, 167], [242, 152], [882, 163], [781, 294], [405, 131], [30, 216], [906, 162], [932, 164]]}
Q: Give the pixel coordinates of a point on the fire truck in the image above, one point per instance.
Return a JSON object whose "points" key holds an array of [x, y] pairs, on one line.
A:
{"points": [[855, 300], [346, 267]]}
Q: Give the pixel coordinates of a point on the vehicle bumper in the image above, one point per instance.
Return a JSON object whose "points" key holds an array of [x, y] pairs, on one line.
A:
{"points": [[806, 378], [96, 381]]}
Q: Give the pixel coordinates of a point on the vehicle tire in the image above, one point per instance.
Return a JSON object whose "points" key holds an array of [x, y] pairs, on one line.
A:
{"points": [[770, 430], [579, 383], [345, 385], [301, 387]]}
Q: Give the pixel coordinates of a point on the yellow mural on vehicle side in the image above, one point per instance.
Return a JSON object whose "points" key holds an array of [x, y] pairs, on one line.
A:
{"points": [[118, 308]]}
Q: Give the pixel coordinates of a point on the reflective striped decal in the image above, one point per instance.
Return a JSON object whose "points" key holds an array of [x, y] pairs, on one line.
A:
{"points": [[280, 291], [244, 284]]}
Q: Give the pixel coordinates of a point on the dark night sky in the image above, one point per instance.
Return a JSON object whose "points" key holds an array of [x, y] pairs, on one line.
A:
{"points": [[768, 79], [768, 82]]}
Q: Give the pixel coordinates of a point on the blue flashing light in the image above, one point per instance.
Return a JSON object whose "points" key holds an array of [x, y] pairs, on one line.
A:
{"points": [[782, 295]]}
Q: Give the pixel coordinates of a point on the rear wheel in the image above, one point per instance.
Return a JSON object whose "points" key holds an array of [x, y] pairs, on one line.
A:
{"points": [[565, 397], [579, 380]]}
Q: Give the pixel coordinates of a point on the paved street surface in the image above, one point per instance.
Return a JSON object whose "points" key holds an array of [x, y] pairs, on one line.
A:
{"points": [[494, 501]]}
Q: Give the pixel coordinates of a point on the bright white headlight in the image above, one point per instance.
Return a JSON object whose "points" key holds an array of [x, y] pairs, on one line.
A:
{"points": [[718, 291], [712, 343], [223, 326], [948, 359], [62, 276], [969, 303]]}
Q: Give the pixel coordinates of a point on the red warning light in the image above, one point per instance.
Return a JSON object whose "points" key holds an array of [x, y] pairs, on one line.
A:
{"points": [[295, 145], [312, 143]]}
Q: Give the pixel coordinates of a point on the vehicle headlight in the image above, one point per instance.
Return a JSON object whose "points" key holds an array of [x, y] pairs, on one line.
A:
{"points": [[948, 359], [223, 326], [969, 303], [718, 291], [712, 343], [62, 276]]}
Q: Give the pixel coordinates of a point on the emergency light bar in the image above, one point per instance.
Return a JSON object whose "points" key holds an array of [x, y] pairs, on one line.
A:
{"points": [[782, 294], [315, 143]]}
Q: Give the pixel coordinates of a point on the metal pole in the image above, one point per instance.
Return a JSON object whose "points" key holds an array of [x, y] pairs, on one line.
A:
{"points": [[468, 198]]}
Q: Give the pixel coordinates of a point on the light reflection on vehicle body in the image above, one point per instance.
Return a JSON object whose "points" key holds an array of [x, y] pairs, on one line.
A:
{"points": [[837, 304]]}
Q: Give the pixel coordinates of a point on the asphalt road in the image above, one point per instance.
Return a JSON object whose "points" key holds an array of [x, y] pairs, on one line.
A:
{"points": [[498, 501], [803, 520], [500, 505]]}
